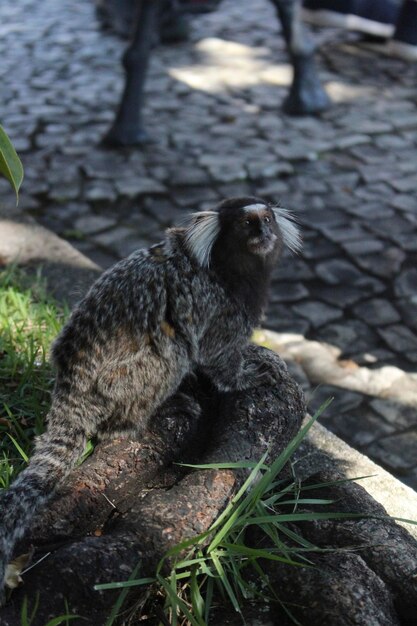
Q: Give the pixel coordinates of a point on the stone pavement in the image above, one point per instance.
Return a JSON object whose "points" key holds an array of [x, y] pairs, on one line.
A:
{"points": [[213, 110]]}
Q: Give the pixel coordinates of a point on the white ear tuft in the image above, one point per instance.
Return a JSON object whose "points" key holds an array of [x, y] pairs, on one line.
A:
{"points": [[290, 233], [201, 235]]}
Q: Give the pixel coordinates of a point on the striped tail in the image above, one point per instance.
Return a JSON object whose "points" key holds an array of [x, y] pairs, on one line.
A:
{"points": [[56, 453]]}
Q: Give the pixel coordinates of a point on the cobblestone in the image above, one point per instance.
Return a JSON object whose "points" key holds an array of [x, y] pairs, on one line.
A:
{"points": [[213, 110]]}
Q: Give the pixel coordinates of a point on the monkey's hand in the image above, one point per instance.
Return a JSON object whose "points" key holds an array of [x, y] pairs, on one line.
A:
{"points": [[257, 374], [237, 372]]}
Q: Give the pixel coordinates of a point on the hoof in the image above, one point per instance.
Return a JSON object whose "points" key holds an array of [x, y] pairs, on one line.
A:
{"points": [[119, 138], [306, 101]]}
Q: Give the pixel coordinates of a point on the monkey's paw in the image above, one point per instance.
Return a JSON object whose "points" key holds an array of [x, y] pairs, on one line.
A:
{"points": [[257, 374]]}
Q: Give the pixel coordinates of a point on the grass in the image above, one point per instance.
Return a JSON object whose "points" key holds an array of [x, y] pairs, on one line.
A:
{"points": [[225, 564], [224, 561], [29, 321]]}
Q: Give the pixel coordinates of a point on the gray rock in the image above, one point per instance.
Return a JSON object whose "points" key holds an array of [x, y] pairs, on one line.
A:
{"points": [[288, 292], [359, 428], [343, 401], [396, 452], [340, 296], [390, 227], [406, 284], [319, 248], [406, 184], [404, 202], [338, 272], [110, 237], [362, 247], [227, 172], [100, 191], [344, 234], [64, 192], [192, 196], [351, 140], [399, 415], [377, 312], [408, 309], [273, 189], [271, 168], [133, 187], [317, 313], [90, 224], [399, 338]]}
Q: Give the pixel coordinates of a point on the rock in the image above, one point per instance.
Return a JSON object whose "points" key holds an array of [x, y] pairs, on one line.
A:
{"points": [[90, 224], [100, 191], [399, 338], [317, 313], [362, 247], [406, 284], [395, 413], [337, 271], [377, 312], [396, 452], [289, 292], [345, 234], [133, 187]]}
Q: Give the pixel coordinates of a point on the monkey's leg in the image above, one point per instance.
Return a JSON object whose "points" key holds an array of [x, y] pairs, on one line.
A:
{"points": [[306, 95], [139, 386], [237, 371]]}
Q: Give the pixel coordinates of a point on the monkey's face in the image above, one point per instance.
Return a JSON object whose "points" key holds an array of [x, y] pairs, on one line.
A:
{"points": [[259, 231], [239, 231]]}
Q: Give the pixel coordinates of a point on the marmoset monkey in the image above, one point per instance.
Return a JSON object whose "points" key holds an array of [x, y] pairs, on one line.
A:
{"points": [[188, 303]]}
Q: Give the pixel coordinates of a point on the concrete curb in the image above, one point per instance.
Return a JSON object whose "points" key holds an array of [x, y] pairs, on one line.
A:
{"points": [[24, 242]]}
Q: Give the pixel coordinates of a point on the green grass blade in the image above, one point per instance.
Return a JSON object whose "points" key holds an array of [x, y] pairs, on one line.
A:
{"points": [[137, 582], [177, 602], [61, 619], [233, 510], [300, 517], [225, 582], [259, 553], [120, 600], [196, 597], [209, 599], [19, 449]]}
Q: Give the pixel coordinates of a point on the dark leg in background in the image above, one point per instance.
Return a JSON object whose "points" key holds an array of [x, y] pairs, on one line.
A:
{"points": [[127, 128], [306, 96]]}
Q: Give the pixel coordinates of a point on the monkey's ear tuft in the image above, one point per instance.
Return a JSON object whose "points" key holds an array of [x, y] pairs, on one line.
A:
{"points": [[289, 231], [201, 234]]}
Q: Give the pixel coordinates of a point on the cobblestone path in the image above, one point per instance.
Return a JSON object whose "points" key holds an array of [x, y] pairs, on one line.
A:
{"points": [[213, 111]]}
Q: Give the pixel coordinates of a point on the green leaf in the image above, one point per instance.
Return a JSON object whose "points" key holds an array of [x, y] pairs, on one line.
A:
{"points": [[19, 449], [196, 597], [176, 602], [225, 582], [258, 553], [124, 584], [10, 164], [56, 621], [121, 598]]}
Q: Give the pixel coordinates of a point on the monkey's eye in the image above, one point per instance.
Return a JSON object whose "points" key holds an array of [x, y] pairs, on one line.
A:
{"points": [[247, 222], [267, 219]]}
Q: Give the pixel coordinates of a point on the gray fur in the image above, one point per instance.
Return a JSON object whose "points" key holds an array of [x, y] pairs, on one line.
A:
{"points": [[146, 323]]}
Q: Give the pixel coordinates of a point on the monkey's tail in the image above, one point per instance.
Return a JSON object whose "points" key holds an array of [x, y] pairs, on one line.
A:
{"points": [[56, 453]]}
